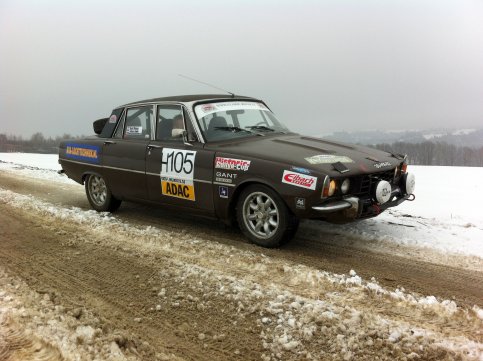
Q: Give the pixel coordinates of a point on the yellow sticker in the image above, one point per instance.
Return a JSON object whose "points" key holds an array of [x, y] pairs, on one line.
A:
{"points": [[178, 190]]}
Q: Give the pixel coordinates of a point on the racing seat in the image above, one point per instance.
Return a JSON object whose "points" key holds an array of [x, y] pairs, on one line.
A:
{"points": [[164, 129], [216, 122]]}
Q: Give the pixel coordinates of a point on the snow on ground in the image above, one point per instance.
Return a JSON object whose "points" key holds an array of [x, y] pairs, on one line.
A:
{"points": [[36, 325], [296, 305], [445, 216], [43, 166]]}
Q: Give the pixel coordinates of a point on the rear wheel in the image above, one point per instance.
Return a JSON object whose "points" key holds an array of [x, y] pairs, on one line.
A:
{"points": [[99, 194], [264, 218]]}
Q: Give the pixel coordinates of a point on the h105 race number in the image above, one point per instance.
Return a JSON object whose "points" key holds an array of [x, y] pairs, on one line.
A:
{"points": [[177, 170]]}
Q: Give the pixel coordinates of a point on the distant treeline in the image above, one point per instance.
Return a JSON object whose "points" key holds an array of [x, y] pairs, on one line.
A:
{"points": [[37, 143], [436, 153]]}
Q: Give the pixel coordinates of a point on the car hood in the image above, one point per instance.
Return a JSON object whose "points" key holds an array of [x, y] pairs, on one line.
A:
{"points": [[311, 153]]}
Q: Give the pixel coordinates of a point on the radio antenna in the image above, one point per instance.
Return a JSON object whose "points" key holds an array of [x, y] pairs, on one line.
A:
{"points": [[208, 84]]}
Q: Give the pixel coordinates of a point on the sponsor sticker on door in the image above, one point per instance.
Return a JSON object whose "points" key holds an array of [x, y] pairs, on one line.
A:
{"points": [[232, 164], [177, 171], [299, 179]]}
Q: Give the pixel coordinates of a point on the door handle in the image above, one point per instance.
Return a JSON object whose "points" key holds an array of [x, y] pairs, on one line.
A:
{"points": [[107, 142], [152, 146]]}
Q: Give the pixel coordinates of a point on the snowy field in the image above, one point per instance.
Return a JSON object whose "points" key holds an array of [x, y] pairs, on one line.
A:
{"points": [[445, 216]]}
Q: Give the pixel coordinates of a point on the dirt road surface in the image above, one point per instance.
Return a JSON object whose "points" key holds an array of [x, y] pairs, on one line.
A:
{"points": [[147, 284]]}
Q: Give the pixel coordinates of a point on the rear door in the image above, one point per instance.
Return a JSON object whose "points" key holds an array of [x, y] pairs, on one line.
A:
{"points": [[124, 155], [177, 173]]}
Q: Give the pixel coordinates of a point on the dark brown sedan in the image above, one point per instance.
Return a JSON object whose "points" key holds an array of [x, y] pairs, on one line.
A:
{"points": [[229, 157]]}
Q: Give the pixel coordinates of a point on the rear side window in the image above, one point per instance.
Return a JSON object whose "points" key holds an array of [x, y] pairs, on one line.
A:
{"points": [[138, 123]]}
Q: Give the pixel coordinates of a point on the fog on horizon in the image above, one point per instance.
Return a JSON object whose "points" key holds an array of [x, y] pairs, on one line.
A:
{"points": [[322, 66]]}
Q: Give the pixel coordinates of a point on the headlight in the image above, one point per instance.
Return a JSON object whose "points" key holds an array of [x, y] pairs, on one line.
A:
{"points": [[344, 187]]}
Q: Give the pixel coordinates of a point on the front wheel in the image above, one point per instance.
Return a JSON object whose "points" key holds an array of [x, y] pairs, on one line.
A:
{"points": [[99, 195], [264, 218]]}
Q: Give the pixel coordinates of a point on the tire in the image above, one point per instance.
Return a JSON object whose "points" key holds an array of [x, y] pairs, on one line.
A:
{"points": [[99, 195], [264, 218]]}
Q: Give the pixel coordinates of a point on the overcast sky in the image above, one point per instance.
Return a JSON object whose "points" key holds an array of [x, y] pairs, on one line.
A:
{"points": [[320, 65]]}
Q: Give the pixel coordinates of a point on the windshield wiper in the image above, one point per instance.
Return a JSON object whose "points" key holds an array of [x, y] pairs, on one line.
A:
{"points": [[233, 129], [261, 127]]}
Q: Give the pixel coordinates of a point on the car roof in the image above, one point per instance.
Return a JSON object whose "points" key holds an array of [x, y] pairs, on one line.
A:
{"points": [[190, 98]]}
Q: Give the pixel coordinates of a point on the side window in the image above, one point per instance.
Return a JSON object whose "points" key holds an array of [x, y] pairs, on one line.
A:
{"points": [[138, 123], [170, 123]]}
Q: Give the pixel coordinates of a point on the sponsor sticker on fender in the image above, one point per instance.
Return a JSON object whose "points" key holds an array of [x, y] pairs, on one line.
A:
{"points": [[83, 152], [232, 164], [299, 179], [177, 171]]}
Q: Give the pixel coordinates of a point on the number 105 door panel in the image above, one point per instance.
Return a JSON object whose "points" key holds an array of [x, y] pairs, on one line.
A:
{"points": [[180, 175]]}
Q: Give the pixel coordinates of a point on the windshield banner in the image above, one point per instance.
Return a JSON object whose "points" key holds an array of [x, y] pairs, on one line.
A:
{"points": [[203, 110]]}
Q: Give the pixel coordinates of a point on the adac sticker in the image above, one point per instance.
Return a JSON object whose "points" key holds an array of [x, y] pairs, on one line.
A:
{"points": [[83, 152], [177, 170], [299, 179], [328, 159]]}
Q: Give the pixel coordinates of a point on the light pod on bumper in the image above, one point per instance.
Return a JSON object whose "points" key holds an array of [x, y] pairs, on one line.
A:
{"points": [[408, 183], [383, 191]]}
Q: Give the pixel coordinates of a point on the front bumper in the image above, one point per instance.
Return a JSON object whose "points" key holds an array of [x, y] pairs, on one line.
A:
{"points": [[379, 192], [354, 202], [354, 207]]}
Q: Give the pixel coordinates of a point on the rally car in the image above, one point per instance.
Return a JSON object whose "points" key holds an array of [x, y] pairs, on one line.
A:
{"points": [[229, 157]]}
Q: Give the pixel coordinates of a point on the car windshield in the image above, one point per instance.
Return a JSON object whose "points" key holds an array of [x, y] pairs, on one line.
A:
{"points": [[236, 119]]}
